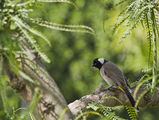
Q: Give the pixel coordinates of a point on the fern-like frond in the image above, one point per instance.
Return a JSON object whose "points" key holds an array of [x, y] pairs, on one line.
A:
{"points": [[33, 43], [132, 15], [148, 28], [120, 2], [27, 3], [23, 10], [145, 87], [142, 11], [131, 28], [69, 28], [154, 42], [157, 17], [136, 16], [141, 96], [26, 77], [56, 1], [143, 80], [27, 27], [14, 66], [104, 110], [13, 63], [123, 16], [87, 113], [131, 112]]}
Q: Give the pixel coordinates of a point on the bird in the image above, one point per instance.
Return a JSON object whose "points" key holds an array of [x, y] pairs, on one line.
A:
{"points": [[113, 76]]}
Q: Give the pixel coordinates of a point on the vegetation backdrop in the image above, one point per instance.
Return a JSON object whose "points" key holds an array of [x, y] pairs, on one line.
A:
{"points": [[71, 54]]}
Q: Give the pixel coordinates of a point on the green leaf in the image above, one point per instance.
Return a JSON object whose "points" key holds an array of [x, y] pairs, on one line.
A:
{"points": [[131, 113], [22, 24], [60, 1], [36, 97], [92, 106], [87, 113], [25, 76], [27, 3], [13, 63], [33, 43], [60, 27], [3, 93], [104, 110]]}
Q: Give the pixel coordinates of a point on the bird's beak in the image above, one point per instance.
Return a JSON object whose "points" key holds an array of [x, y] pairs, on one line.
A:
{"points": [[93, 65]]}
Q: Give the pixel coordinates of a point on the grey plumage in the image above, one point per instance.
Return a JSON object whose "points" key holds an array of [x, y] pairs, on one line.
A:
{"points": [[114, 74]]}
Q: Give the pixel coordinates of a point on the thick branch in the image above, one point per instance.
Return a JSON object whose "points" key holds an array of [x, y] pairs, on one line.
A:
{"points": [[108, 97]]}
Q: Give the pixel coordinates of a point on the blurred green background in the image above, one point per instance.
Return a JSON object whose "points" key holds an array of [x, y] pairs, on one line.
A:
{"points": [[71, 54]]}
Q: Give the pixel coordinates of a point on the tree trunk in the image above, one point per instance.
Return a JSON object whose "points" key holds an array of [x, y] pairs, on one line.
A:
{"points": [[52, 104]]}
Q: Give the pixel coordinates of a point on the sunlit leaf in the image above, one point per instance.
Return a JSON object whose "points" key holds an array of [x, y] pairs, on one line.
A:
{"points": [[69, 28], [30, 29]]}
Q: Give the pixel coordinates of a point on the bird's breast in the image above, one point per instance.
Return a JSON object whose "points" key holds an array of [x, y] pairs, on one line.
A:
{"points": [[106, 78]]}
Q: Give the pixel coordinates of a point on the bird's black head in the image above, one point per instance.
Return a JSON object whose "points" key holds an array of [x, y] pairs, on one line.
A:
{"points": [[98, 62]]}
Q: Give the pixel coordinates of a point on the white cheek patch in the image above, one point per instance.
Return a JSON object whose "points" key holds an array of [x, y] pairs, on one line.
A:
{"points": [[101, 60]]}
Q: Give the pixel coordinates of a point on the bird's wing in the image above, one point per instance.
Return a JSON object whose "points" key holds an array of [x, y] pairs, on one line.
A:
{"points": [[114, 73]]}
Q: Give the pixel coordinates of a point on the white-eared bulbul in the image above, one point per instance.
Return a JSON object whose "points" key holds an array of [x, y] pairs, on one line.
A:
{"points": [[113, 76]]}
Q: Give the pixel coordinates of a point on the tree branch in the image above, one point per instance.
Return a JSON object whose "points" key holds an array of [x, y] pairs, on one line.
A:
{"points": [[113, 97]]}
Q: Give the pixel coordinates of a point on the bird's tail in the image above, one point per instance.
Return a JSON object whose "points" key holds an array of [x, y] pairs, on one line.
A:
{"points": [[132, 101], [128, 94]]}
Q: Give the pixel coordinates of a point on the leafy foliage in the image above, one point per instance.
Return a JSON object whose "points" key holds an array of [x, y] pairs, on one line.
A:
{"points": [[29, 111], [69, 28], [107, 112], [131, 112], [144, 11], [16, 34], [16, 14], [15, 19], [84, 115]]}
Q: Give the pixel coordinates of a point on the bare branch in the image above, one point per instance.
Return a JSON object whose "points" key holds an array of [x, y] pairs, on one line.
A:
{"points": [[108, 97]]}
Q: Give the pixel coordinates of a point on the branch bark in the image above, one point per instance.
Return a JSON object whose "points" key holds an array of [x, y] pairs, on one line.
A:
{"points": [[108, 97]]}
